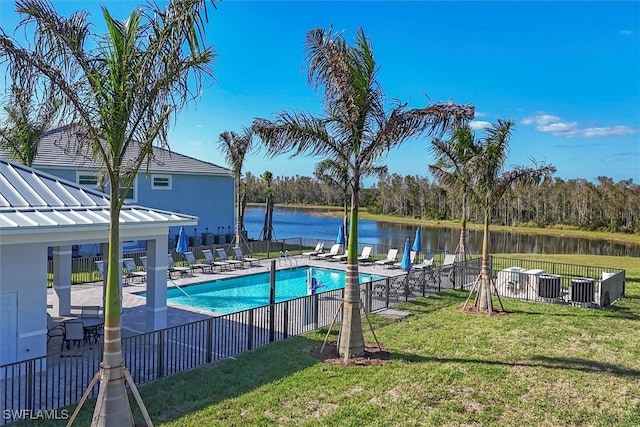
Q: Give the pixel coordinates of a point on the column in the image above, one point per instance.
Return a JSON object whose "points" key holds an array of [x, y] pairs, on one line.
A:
{"points": [[61, 280], [156, 307]]}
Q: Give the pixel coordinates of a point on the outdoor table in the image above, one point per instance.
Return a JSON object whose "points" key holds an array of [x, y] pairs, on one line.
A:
{"points": [[91, 327]]}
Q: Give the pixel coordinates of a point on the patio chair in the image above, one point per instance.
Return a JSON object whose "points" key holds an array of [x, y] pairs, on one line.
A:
{"points": [[318, 250], [53, 329], [132, 270], [391, 258], [173, 268], [447, 267], [365, 255], [73, 333], [427, 263], [223, 256], [90, 311], [194, 264], [211, 260], [100, 268], [333, 252], [242, 257]]}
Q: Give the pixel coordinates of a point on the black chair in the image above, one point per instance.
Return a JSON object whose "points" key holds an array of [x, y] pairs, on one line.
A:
{"points": [[73, 333]]}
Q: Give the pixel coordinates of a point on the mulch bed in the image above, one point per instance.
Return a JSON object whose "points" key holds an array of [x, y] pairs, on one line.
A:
{"points": [[372, 356]]}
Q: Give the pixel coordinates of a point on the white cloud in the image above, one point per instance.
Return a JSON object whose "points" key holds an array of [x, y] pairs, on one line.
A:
{"points": [[480, 114], [196, 143], [626, 32], [556, 126], [479, 124]]}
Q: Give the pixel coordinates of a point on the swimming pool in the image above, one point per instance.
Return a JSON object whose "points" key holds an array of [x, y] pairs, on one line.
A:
{"points": [[242, 293]]}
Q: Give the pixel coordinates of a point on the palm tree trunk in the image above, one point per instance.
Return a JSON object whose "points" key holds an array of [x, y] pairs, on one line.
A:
{"points": [[483, 299], [238, 214], [462, 245], [114, 410], [351, 336]]}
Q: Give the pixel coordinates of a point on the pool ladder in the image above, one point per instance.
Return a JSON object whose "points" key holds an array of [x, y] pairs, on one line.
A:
{"points": [[287, 258]]}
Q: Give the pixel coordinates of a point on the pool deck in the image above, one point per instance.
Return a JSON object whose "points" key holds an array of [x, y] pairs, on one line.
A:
{"points": [[133, 306]]}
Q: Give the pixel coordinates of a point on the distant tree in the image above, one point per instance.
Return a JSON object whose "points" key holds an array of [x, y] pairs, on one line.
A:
{"points": [[489, 184], [267, 228], [27, 118], [119, 90], [336, 175], [452, 169], [355, 130], [235, 148]]}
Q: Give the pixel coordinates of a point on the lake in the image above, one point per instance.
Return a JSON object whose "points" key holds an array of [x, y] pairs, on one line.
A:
{"points": [[300, 222]]}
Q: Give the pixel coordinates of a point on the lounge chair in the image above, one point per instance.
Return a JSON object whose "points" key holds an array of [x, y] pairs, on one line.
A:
{"points": [[53, 329], [211, 259], [101, 275], [223, 256], [318, 250], [242, 257], [100, 268], [172, 268], [194, 264], [333, 252], [365, 255], [449, 260], [132, 270], [391, 258], [427, 263], [447, 267], [412, 258]]}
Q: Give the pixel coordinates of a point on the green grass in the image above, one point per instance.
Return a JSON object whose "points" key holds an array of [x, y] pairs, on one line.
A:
{"points": [[542, 365]]}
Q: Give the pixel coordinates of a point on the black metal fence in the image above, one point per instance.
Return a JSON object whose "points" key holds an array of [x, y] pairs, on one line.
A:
{"points": [[54, 381], [549, 282]]}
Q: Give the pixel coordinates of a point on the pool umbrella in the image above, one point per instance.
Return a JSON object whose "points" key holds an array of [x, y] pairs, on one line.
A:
{"points": [[182, 246], [340, 238], [417, 242], [406, 256]]}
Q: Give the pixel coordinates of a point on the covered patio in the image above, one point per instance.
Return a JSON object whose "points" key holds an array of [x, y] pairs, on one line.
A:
{"points": [[39, 211]]}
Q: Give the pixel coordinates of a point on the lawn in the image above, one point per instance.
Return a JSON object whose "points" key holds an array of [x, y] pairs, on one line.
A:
{"points": [[542, 365]]}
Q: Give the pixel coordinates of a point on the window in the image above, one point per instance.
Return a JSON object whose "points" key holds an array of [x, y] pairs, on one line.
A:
{"points": [[161, 182], [88, 179]]}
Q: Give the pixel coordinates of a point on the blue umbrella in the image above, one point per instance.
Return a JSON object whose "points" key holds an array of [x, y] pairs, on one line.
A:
{"points": [[340, 238], [406, 256], [182, 246], [417, 242]]}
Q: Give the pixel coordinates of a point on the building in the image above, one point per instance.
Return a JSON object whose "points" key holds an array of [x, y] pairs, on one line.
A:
{"points": [[40, 213], [171, 182]]}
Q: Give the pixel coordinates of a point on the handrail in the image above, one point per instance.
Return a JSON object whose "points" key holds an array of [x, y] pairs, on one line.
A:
{"points": [[182, 290], [285, 257]]}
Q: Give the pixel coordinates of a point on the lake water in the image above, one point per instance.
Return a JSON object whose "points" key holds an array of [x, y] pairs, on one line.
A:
{"points": [[296, 222]]}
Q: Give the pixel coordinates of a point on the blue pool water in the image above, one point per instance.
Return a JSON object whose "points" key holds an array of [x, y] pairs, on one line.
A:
{"points": [[242, 293]]}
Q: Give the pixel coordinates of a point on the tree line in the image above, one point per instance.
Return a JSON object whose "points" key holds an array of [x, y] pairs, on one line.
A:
{"points": [[574, 203]]}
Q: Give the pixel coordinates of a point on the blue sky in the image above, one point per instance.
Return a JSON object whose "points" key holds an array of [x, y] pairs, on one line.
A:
{"points": [[567, 73]]}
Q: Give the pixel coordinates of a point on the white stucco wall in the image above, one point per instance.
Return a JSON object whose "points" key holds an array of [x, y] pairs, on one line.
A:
{"points": [[24, 270]]}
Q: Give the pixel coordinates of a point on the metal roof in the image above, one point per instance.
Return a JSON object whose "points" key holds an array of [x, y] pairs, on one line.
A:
{"points": [[33, 199], [63, 147]]}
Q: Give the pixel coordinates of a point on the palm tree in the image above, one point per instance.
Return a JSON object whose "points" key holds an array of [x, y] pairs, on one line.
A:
{"points": [[490, 183], [355, 130], [335, 174], [26, 120], [267, 228], [119, 91], [235, 147], [452, 170]]}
